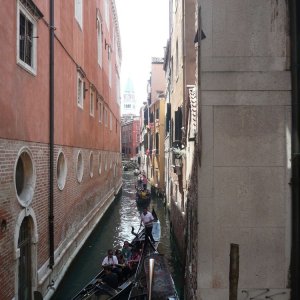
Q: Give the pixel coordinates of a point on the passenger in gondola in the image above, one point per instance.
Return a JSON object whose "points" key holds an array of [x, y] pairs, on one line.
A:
{"points": [[112, 261], [140, 182], [144, 182], [134, 259], [126, 251], [144, 194], [120, 257], [109, 277], [125, 270]]}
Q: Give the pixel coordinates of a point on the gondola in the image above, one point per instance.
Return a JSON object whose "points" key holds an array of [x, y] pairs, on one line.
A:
{"points": [[143, 197], [136, 172], [97, 290], [153, 279]]}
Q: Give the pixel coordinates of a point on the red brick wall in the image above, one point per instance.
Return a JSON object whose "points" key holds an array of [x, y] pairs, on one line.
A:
{"points": [[71, 205], [24, 121]]}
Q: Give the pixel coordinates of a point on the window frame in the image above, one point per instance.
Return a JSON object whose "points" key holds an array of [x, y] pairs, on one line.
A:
{"points": [[28, 17], [110, 121], [80, 97], [106, 11], [99, 40], [92, 101], [78, 11]]}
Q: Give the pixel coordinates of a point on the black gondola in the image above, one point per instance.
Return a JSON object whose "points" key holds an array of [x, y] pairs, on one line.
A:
{"points": [[143, 197], [97, 290], [153, 279]]}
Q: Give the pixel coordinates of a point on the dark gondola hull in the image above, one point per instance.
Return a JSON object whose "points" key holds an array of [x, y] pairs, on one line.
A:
{"points": [[142, 198], [156, 281], [100, 291]]}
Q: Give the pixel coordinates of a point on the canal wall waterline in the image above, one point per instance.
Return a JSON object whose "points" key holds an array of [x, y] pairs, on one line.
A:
{"points": [[111, 232], [64, 257]]}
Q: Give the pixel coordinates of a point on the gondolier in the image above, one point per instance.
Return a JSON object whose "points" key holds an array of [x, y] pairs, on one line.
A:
{"points": [[147, 219], [99, 288]]}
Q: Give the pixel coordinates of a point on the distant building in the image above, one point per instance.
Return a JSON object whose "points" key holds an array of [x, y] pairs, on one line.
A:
{"points": [[152, 155], [130, 134], [60, 162], [129, 101]]}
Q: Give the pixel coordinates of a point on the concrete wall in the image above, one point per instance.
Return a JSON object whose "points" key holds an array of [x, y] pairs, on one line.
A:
{"points": [[244, 195]]}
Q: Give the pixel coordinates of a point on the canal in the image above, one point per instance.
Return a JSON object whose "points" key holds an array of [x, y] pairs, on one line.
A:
{"points": [[112, 230]]}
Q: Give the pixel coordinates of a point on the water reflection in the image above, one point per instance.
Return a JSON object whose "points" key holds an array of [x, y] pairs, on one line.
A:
{"points": [[114, 228]]}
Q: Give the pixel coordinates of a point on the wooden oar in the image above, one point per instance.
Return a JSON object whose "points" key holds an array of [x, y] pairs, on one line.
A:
{"points": [[151, 269]]}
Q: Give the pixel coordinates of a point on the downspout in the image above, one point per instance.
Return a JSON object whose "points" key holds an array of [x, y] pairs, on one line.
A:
{"points": [[294, 11], [51, 145]]}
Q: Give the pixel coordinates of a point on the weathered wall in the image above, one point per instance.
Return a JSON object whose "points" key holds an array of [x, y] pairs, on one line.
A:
{"points": [[244, 196]]}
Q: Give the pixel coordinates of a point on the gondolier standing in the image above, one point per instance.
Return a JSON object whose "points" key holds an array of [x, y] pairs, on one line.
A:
{"points": [[147, 219]]}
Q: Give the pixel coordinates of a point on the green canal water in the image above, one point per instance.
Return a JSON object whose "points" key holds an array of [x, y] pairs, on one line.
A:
{"points": [[112, 230]]}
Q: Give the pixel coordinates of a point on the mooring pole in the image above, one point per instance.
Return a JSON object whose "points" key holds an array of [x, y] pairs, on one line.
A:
{"points": [[234, 271]]}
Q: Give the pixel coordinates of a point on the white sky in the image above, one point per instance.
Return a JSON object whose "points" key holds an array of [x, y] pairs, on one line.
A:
{"points": [[144, 32]]}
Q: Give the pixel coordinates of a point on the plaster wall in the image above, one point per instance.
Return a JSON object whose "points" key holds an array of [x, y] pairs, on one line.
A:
{"points": [[244, 195]]}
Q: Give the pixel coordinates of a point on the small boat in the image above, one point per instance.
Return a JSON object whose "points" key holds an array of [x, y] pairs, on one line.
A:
{"points": [[153, 280], [136, 172], [98, 290], [143, 197]]}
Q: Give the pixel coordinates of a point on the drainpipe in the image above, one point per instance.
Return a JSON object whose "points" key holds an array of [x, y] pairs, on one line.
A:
{"points": [[51, 145], [294, 11]]}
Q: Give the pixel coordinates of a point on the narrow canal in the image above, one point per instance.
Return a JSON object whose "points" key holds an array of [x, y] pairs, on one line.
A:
{"points": [[112, 230]]}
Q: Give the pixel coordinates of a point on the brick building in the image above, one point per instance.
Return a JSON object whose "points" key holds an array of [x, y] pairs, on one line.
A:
{"points": [[130, 133], [60, 163]]}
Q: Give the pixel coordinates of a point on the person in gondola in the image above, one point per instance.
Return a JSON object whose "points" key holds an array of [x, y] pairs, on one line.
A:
{"points": [[125, 270], [126, 251], [144, 182], [109, 277], [140, 182], [147, 219], [134, 259], [112, 261]]}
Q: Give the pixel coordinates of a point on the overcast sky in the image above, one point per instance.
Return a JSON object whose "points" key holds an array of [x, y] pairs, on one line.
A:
{"points": [[144, 33]]}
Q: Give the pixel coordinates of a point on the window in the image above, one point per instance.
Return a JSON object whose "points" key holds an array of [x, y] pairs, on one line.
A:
{"points": [[109, 66], [105, 117], [78, 12], [80, 87], [61, 170], [92, 102], [25, 177], [178, 124], [91, 164], [79, 167], [110, 121], [100, 111], [99, 163], [99, 38], [157, 142], [26, 40], [106, 10]]}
